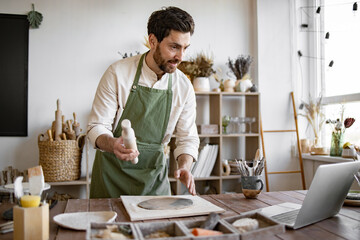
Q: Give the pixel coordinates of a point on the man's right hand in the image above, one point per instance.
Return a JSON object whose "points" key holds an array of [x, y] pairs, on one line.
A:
{"points": [[123, 153], [110, 144]]}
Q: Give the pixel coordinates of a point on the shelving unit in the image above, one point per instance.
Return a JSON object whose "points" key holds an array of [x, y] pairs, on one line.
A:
{"points": [[211, 107]]}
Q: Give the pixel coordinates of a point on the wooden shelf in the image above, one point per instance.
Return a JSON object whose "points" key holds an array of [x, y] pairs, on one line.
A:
{"points": [[215, 104], [81, 181]]}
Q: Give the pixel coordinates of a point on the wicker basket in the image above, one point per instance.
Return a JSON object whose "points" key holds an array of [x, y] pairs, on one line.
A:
{"points": [[61, 160]]}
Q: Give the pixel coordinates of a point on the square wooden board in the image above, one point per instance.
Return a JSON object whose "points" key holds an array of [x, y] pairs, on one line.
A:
{"points": [[200, 207]]}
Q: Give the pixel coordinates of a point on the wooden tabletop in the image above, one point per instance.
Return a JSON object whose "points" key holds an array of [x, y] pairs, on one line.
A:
{"points": [[345, 225]]}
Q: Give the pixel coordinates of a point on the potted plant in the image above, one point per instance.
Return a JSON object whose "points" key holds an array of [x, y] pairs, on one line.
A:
{"points": [[240, 67], [338, 130], [199, 69]]}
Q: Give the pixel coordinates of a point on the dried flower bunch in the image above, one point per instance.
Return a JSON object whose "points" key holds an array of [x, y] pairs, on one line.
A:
{"points": [[339, 126], [200, 66], [313, 113], [241, 66]]}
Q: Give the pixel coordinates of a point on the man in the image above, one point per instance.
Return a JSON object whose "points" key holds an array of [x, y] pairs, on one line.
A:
{"points": [[159, 100]]}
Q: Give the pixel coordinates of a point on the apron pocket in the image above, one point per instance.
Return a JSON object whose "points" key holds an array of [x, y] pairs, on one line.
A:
{"points": [[151, 157]]}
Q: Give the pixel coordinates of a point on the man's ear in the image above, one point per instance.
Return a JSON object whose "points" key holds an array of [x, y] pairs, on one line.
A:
{"points": [[152, 40]]}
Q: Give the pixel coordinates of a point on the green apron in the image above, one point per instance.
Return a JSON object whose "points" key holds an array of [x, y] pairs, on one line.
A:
{"points": [[148, 110]]}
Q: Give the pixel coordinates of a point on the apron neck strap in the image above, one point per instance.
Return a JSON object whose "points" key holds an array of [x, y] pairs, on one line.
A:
{"points": [[138, 71]]}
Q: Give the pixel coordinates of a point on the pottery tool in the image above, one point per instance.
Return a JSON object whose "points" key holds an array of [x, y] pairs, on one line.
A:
{"points": [[36, 180], [76, 126], [63, 124], [257, 155], [166, 203], [71, 132], [242, 168], [260, 167], [49, 133], [63, 136], [58, 123]]}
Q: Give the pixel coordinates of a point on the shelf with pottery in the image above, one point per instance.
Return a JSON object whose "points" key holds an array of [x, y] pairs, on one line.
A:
{"points": [[216, 105]]}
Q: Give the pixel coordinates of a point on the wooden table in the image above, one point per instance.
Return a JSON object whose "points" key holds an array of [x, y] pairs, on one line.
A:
{"points": [[345, 225]]}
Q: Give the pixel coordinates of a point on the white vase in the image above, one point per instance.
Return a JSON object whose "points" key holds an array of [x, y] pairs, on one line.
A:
{"points": [[243, 85], [201, 84]]}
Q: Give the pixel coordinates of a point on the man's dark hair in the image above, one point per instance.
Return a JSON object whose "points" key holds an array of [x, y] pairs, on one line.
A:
{"points": [[161, 22]]}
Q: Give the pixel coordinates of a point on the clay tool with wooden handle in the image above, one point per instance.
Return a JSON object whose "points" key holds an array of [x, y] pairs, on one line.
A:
{"points": [[76, 126], [64, 127], [71, 132], [63, 136], [49, 133], [58, 122]]}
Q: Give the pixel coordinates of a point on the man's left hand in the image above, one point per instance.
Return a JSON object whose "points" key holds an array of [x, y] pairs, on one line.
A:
{"points": [[186, 178]]}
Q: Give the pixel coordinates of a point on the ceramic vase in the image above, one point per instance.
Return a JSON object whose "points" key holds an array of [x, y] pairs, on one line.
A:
{"points": [[201, 84], [244, 84], [337, 142], [229, 85]]}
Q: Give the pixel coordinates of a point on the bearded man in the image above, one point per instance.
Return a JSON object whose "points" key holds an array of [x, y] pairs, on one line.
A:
{"points": [[159, 100]]}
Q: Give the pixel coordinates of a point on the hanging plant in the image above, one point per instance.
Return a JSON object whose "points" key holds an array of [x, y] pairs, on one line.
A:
{"points": [[35, 18]]}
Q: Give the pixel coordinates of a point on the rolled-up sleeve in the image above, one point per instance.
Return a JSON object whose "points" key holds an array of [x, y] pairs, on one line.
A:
{"points": [[187, 139], [104, 107]]}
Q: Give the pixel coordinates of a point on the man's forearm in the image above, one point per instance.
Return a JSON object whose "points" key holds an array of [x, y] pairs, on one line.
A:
{"points": [[105, 142], [185, 161]]}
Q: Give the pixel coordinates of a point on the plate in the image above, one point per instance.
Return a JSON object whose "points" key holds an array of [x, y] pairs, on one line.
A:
{"points": [[81, 220], [25, 186]]}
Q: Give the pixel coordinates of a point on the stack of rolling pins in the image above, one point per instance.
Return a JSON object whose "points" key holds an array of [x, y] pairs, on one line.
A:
{"points": [[61, 129], [60, 148]]}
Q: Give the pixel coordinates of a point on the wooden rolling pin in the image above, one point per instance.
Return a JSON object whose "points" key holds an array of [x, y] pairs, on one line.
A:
{"points": [[58, 122], [76, 126]]}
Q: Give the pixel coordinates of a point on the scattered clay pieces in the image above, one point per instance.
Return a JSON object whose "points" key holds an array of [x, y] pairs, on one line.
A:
{"points": [[246, 224]]}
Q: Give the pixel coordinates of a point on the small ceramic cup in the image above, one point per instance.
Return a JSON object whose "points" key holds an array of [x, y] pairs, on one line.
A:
{"points": [[251, 186]]}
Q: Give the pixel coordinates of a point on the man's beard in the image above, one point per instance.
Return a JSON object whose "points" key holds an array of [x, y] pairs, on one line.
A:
{"points": [[162, 63]]}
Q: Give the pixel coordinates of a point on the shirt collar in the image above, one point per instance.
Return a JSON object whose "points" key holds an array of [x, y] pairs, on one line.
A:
{"points": [[151, 74]]}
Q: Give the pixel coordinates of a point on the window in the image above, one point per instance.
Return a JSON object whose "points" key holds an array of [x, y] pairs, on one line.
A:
{"points": [[339, 39]]}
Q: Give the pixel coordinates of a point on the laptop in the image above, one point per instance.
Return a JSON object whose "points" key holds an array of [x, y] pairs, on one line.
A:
{"points": [[324, 198]]}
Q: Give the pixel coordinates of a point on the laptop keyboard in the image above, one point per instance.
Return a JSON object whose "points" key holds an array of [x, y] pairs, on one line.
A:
{"points": [[286, 217]]}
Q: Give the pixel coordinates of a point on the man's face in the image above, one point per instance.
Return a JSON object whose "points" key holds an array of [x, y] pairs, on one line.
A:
{"points": [[170, 52]]}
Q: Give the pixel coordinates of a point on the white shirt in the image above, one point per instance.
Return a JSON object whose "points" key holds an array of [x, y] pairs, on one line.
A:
{"points": [[114, 89]]}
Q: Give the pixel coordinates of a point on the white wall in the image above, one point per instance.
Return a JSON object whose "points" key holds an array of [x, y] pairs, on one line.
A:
{"points": [[277, 72], [78, 40]]}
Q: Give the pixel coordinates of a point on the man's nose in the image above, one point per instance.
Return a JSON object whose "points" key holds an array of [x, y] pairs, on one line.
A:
{"points": [[180, 55]]}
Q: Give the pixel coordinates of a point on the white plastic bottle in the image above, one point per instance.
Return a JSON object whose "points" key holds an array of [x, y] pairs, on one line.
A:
{"points": [[128, 135]]}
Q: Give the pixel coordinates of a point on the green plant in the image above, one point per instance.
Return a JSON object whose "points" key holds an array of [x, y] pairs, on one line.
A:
{"points": [[35, 18], [240, 66], [339, 125]]}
